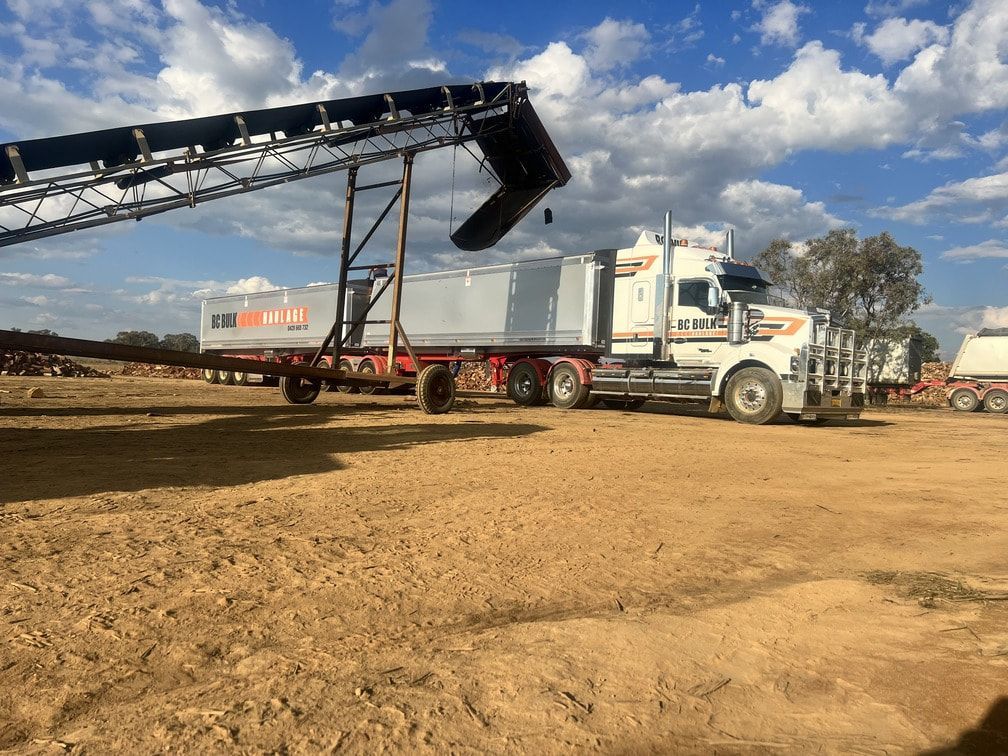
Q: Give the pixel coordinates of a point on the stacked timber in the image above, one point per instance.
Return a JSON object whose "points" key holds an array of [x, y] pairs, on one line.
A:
{"points": [[935, 396], [144, 370], [474, 376], [16, 362]]}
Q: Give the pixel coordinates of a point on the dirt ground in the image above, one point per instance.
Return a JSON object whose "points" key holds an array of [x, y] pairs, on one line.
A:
{"points": [[204, 568]]}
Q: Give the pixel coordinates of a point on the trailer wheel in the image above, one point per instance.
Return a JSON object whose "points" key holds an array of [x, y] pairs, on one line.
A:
{"points": [[225, 377], [435, 389], [239, 378], [347, 365], [623, 404], [367, 366], [964, 400], [209, 375], [299, 390], [754, 395], [565, 388], [996, 401], [523, 386]]}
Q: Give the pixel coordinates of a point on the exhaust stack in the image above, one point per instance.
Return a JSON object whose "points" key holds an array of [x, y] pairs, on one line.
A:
{"points": [[661, 347], [730, 243]]}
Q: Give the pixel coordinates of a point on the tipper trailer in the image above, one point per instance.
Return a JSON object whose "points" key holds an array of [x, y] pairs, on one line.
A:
{"points": [[978, 377], [659, 321]]}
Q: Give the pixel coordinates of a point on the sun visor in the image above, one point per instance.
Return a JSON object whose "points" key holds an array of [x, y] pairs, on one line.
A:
{"points": [[528, 165]]}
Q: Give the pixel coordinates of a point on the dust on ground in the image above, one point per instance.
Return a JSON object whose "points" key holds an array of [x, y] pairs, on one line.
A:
{"points": [[201, 568]]}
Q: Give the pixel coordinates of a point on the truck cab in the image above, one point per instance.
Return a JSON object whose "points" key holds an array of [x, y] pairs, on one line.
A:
{"points": [[692, 322]]}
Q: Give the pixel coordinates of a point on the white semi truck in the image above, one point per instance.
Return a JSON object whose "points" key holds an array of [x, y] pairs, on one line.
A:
{"points": [[659, 321]]}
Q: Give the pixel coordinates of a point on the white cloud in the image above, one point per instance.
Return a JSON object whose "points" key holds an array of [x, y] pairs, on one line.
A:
{"points": [[969, 74], [897, 39], [779, 22], [40, 301], [44, 281], [983, 199], [613, 44], [251, 285], [878, 8], [992, 248], [715, 60]]}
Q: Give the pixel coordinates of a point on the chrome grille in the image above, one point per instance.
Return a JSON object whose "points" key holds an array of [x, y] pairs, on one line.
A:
{"points": [[835, 363]]}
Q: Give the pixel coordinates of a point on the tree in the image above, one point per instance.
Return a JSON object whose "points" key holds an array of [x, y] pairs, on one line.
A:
{"points": [[871, 284], [180, 342], [44, 332], [137, 339]]}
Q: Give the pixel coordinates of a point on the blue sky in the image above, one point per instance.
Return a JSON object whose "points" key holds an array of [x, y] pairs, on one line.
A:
{"points": [[778, 118]]}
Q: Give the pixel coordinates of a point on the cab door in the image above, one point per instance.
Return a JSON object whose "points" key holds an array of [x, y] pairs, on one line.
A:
{"points": [[694, 337]]}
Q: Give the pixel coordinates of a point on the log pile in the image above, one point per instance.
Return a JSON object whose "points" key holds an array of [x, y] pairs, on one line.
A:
{"points": [[935, 395], [16, 362], [474, 376], [144, 370]]}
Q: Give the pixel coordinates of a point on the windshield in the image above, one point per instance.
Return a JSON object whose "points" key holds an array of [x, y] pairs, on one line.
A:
{"points": [[747, 290]]}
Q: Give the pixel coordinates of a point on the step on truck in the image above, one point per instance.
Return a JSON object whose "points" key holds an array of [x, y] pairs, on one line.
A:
{"points": [[659, 321]]}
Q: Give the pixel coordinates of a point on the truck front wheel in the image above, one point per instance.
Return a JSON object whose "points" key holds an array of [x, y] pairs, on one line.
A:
{"points": [[566, 389], [523, 386], [754, 395], [299, 390]]}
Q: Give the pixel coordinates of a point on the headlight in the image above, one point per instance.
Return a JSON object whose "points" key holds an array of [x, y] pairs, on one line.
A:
{"points": [[794, 364]]}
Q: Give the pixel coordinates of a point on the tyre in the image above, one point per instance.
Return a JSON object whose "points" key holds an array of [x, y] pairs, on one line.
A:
{"points": [[209, 375], [239, 378], [565, 388], [367, 366], [623, 404], [225, 377], [996, 401], [964, 400], [523, 386], [299, 390], [435, 389], [347, 365], [754, 395]]}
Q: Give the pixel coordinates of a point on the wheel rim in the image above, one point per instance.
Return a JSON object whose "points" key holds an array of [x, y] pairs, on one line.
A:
{"points": [[563, 385], [440, 390], [998, 402], [751, 396], [301, 389], [524, 385], [964, 401]]}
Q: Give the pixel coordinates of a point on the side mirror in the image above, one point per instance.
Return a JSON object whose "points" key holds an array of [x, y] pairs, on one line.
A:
{"points": [[713, 298]]}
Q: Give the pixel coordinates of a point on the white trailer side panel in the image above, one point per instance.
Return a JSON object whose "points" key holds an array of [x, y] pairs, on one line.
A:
{"points": [[982, 358], [894, 362], [288, 319], [562, 302]]}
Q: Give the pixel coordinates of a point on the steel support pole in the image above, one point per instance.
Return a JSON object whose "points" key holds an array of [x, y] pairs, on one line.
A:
{"points": [[341, 291], [399, 261]]}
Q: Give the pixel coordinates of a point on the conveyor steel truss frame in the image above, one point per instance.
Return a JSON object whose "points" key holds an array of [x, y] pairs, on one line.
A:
{"points": [[155, 184]]}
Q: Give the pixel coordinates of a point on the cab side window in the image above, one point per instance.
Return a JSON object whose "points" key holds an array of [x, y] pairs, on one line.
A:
{"points": [[693, 294]]}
